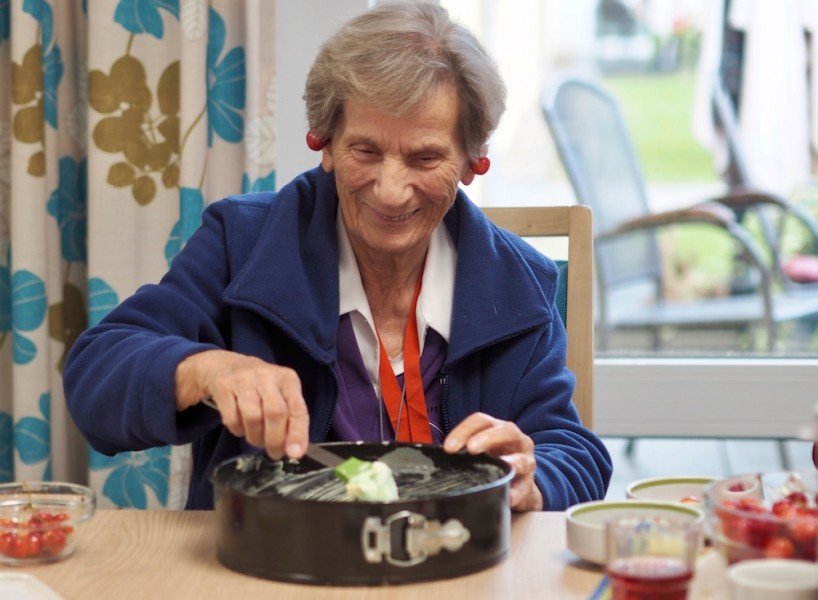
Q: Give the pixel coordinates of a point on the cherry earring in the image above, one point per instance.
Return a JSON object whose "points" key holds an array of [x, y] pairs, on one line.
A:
{"points": [[315, 141], [480, 166]]}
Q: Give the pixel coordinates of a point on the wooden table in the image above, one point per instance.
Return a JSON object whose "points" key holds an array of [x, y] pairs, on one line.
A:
{"points": [[172, 554]]}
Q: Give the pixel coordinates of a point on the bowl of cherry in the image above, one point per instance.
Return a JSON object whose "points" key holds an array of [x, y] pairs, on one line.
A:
{"points": [[39, 520], [764, 515]]}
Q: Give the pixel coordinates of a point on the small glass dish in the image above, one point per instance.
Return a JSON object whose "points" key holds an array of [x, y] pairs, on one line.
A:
{"points": [[764, 516], [39, 520]]}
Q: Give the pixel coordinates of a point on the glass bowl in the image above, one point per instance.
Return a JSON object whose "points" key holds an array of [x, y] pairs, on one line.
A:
{"points": [[764, 515], [39, 520]]}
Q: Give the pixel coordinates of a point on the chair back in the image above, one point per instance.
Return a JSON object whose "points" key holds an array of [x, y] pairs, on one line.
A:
{"points": [[739, 171], [575, 286], [601, 163]]}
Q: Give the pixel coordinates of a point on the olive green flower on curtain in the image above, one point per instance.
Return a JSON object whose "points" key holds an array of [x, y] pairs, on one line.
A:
{"points": [[149, 144], [26, 90], [34, 85]]}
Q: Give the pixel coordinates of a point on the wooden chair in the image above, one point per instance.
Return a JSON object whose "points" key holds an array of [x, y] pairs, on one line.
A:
{"points": [[573, 222]]}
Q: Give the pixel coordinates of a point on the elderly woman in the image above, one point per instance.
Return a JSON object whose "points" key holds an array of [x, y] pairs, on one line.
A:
{"points": [[368, 299]]}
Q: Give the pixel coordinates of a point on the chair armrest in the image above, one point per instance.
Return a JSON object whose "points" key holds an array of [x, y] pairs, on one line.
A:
{"points": [[707, 212], [750, 198], [712, 213], [745, 198]]}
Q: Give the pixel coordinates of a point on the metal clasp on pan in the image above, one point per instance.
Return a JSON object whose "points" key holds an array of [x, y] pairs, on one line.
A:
{"points": [[424, 537]]}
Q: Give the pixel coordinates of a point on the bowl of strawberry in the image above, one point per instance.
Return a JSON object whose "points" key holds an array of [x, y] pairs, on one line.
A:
{"points": [[39, 520], [768, 515]]}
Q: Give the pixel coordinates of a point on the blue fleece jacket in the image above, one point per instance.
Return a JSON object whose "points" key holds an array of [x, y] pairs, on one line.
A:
{"points": [[260, 277]]}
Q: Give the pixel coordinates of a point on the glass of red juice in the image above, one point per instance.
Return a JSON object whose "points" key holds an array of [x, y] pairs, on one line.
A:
{"points": [[651, 557]]}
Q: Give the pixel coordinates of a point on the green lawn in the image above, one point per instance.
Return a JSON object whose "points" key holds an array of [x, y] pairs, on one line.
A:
{"points": [[657, 110]]}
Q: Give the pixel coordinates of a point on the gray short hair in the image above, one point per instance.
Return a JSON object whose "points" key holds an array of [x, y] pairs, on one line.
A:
{"points": [[391, 56]]}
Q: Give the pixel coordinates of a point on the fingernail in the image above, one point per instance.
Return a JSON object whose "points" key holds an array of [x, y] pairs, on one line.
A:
{"points": [[476, 448], [451, 444], [294, 450]]}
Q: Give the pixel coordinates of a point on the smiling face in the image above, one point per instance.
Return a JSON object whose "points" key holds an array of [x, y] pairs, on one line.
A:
{"points": [[396, 176]]}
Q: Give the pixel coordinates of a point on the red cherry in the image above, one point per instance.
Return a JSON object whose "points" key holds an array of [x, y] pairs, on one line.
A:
{"points": [[760, 532], [779, 548], [737, 487], [804, 531], [807, 511], [6, 541], [784, 508], [19, 546], [798, 498], [54, 541]]}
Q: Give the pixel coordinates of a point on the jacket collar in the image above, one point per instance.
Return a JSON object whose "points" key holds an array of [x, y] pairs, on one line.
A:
{"points": [[494, 304], [291, 275]]}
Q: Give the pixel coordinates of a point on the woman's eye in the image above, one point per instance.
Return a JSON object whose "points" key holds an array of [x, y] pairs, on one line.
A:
{"points": [[428, 159], [364, 152]]}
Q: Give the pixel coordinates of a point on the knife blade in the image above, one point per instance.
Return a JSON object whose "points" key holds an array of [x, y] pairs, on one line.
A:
{"points": [[315, 452]]}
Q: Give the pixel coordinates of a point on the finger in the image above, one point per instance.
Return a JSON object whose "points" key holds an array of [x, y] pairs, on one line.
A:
{"points": [[524, 495], [460, 435], [228, 408], [298, 418], [275, 421], [252, 417], [503, 438], [519, 494], [524, 465]]}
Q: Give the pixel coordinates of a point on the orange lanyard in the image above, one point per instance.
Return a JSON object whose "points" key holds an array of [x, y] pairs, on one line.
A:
{"points": [[412, 423]]}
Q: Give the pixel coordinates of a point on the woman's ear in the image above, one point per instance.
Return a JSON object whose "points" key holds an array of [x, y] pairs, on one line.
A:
{"points": [[468, 176]]}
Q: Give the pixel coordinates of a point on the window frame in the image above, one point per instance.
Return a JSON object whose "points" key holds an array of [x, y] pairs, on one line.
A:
{"points": [[705, 397]]}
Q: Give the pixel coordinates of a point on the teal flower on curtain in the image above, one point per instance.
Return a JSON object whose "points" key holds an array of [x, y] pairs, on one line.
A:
{"points": [[6, 447], [52, 56], [28, 308], [52, 74], [41, 10], [32, 436], [131, 472], [5, 19], [225, 85], [142, 16], [102, 299], [262, 184], [67, 205], [191, 204]]}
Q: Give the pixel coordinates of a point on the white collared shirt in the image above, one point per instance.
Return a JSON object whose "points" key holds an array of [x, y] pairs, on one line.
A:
{"points": [[434, 308]]}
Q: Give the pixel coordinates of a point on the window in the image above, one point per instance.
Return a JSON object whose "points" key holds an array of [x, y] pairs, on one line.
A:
{"points": [[645, 52]]}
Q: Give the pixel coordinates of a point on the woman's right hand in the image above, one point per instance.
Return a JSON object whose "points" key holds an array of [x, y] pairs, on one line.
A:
{"points": [[256, 399]]}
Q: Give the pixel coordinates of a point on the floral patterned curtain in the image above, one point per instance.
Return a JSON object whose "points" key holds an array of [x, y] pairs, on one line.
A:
{"points": [[119, 121]]}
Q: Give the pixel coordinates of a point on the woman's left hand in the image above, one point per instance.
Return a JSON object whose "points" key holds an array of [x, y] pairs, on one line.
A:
{"points": [[480, 432]]}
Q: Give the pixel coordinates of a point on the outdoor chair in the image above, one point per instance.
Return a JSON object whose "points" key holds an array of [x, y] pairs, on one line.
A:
{"points": [[575, 290], [775, 215], [602, 166]]}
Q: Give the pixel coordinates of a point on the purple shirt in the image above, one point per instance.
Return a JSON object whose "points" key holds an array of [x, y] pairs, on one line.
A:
{"points": [[356, 413]]}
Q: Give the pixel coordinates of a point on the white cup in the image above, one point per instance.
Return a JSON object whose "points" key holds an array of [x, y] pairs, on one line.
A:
{"points": [[766, 579]]}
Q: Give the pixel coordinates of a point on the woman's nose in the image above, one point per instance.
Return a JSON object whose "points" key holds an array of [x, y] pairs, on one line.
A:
{"points": [[393, 185]]}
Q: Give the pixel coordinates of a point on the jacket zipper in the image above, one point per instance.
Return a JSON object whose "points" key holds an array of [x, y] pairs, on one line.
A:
{"points": [[445, 383], [334, 403]]}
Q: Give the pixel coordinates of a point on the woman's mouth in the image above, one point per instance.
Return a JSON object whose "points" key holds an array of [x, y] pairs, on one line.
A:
{"points": [[398, 218]]}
